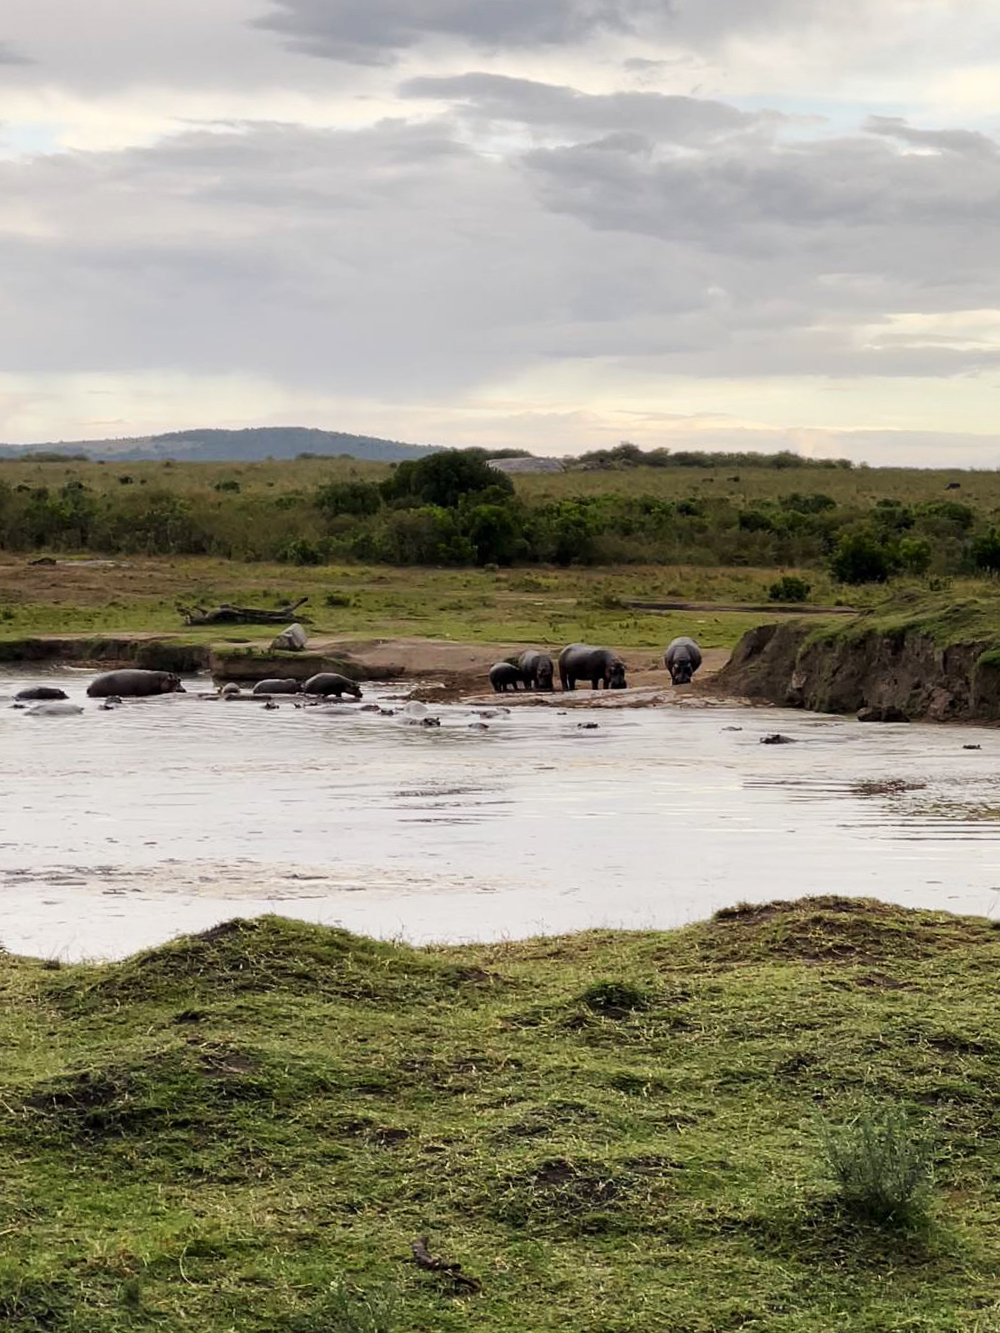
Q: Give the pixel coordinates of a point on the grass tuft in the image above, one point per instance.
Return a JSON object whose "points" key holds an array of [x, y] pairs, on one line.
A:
{"points": [[882, 1165]]}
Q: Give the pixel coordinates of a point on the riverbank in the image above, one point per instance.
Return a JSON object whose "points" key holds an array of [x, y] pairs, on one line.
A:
{"points": [[933, 658], [249, 1128]]}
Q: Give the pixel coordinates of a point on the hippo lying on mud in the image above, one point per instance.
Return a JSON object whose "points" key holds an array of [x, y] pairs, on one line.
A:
{"points": [[287, 686], [536, 670], [134, 683], [600, 666], [329, 682], [35, 693], [682, 659], [505, 676]]}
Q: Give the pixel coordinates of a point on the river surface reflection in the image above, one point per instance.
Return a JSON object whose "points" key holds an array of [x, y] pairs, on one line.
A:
{"points": [[122, 828]]}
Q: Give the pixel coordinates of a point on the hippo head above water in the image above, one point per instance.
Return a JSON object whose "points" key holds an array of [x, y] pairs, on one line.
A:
{"points": [[171, 684]]}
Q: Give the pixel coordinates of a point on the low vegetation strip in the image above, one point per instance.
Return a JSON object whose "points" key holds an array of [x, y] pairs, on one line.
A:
{"points": [[454, 509], [780, 1119]]}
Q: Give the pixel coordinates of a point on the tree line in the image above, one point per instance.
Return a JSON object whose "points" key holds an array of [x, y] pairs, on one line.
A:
{"points": [[453, 508]]}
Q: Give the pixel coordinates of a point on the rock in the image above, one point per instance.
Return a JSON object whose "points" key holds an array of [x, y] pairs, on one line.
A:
{"points": [[588, 726], [972, 747], [291, 640], [777, 738], [882, 713]]}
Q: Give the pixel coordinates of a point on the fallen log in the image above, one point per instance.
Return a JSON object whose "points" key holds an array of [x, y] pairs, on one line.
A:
{"points": [[241, 615]]}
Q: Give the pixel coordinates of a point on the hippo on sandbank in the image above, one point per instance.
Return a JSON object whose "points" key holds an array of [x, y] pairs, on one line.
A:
{"points": [[682, 659], [135, 683], [601, 666], [505, 676], [38, 693], [286, 686], [536, 670], [330, 682]]}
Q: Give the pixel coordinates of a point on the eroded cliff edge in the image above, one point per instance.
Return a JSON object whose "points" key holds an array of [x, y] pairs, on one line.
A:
{"points": [[938, 660]]}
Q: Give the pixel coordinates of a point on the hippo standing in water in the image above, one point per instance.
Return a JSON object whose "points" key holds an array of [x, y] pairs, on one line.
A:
{"points": [[536, 670], [134, 683], [329, 682], [36, 693], [505, 676], [286, 686], [682, 659], [600, 666]]}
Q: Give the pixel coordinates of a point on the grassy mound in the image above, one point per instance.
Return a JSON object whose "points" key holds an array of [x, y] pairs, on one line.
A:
{"points": [[249, 1129]]}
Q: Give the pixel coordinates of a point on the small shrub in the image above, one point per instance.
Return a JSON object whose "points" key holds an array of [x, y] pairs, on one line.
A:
{"points": [[789, 588], [881, 1164], [615, 999], [338, 599], [230, 484], [299, 551]]}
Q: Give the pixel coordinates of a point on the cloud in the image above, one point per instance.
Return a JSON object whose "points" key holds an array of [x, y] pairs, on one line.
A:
{"points": [[374, 31], [10, 55], [967, 142], [494, 97]]}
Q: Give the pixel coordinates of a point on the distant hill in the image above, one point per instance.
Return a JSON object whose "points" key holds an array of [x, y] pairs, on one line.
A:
{"points": [[224, 446]]}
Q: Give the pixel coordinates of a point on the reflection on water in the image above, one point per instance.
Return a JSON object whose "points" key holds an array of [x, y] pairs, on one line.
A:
{"points": [[121, 828]]}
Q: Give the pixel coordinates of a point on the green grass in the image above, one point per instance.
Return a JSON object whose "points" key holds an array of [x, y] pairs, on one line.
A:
{"points": [[616, 1132], [542, 606]]}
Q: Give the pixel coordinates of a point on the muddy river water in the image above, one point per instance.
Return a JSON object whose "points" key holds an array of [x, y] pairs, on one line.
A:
{"points": [[120, 829]]}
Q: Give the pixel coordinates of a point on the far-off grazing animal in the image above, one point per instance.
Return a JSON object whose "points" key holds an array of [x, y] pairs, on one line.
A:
{"points": [[329, 682], [536, 670], [600, 666], [134, 683], [682, 659], [285, 686], [505, 676]]}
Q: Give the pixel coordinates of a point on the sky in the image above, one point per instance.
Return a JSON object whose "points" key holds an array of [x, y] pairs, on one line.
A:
{"points": [[548, 224]]}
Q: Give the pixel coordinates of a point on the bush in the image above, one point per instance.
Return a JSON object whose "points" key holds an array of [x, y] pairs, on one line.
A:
{"points": [[790, 588], [915, 555], [986, 552], [881, 1165], [860, 557], [299, 551]]}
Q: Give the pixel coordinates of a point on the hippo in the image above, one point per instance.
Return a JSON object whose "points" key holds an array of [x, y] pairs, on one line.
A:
{"points": [[682, 659], [536, 670], [601, 666], [54, 708], [505, 676], [329, 682], [36, 693], [230, 691], [132, 682], [286, 686]]}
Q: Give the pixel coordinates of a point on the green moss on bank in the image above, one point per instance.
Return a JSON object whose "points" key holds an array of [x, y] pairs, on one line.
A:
{"points": [[616, 1132]]}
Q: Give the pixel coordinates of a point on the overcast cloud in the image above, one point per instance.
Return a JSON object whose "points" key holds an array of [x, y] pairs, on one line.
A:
{"points": [[551, 225]]}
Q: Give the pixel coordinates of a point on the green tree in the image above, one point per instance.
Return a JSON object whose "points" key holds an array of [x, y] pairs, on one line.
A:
{"points": [[445, 479]]}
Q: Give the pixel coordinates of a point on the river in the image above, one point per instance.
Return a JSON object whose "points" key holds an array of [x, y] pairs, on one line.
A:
{"points": [[123, 828]]}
